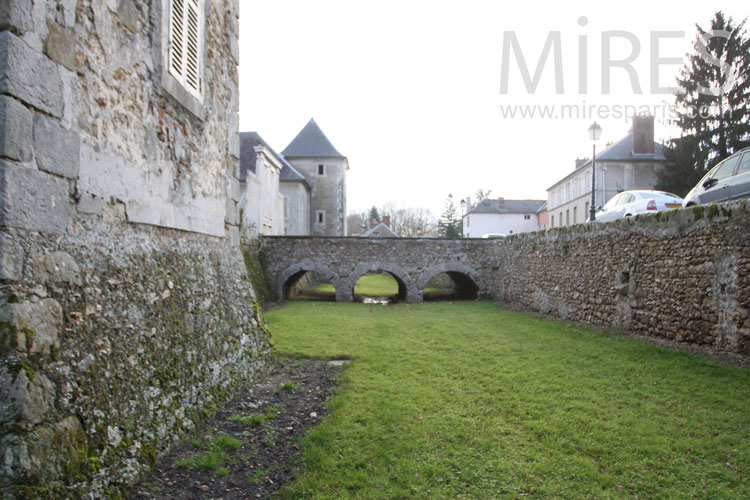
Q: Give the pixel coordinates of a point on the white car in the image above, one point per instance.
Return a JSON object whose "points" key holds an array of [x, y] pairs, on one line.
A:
{"points": [[630, 203]]}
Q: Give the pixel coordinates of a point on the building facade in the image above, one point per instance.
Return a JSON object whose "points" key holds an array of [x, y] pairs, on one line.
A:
{"points": [[630, 163], [501, 216], [299, 192]]}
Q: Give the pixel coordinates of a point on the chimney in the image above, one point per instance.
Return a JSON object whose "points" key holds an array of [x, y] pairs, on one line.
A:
{"points": [[387, 220], [580, 161], [501, 203], [373, 222], [643, 135]]}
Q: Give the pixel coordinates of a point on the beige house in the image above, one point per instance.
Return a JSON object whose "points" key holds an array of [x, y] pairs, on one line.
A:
{"points": [[630, 163], [300, 192]]}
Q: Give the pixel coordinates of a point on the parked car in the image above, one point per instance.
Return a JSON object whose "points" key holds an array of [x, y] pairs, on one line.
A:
{"points": [[629, 203], [729, 180], [493, 236]]}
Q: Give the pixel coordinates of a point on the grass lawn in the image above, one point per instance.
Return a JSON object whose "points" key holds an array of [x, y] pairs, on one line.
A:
{"points": [[371, 285], [468, 400]]}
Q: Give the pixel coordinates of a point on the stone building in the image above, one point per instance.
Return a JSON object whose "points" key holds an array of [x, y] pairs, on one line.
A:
{"points": [[630, 163], [313, 155], [299, 192], [125, 308]]}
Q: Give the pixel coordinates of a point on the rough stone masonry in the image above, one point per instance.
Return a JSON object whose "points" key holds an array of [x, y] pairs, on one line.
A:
{"points": [[681, 275], [126, 315]]}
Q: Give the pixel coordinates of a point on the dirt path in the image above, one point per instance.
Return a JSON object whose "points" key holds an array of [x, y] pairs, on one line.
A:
{"points": [[249, 449]]}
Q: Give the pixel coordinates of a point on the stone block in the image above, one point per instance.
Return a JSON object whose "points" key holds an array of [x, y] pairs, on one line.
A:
{"points": [[128, 14], [15, 16], [15, 130], [231, 216], [29, 75], [32, 327], [25, 395], [57, 150], [233, 186], [60, 46], [33, 200], [91, 204], [11, 258], [56, 267], [234, 236]]}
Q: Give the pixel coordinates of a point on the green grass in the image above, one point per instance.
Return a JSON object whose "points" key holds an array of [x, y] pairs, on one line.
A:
{"points": [[213, 458], [370, 285], [288, 386], [256, 420], [469, 400]]}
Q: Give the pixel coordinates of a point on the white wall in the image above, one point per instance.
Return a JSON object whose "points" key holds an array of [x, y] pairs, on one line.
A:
{"points": [[476, 225], [262, 204], [296, 209]]}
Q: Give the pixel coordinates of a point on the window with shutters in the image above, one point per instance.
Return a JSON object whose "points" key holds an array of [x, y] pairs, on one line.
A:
{"points": [[186, 26]]}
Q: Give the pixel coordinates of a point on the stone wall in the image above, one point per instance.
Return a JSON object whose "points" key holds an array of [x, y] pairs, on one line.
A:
{"points": [[126, 315], [681, 275]]}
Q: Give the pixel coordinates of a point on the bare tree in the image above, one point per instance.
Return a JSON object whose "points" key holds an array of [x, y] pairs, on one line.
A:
{"points": [[483, 194], [357, 222], [410, 222]]}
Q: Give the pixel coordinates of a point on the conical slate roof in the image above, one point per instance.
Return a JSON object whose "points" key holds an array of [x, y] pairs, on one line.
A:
{"points": [[311, 142]]}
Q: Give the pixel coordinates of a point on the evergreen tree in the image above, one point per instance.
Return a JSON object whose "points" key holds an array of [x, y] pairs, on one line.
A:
{"points": [[450, 224], [715, 108], [683, 168], [374, 215]]}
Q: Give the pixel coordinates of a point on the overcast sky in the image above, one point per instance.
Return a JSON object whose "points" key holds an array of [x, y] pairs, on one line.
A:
{"points": [[410, 91]]}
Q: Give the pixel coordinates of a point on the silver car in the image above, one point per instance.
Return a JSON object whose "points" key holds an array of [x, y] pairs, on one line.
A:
{"points": [[630, 203], [728, 180]]}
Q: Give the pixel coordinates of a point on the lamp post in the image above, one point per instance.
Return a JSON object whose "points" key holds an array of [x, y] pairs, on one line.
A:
{"points": [[463, 214], [595, 131]]}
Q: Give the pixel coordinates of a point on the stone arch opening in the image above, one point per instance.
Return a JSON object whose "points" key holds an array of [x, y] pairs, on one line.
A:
{"points": [[449, 281], [406, 289], [307, 280]]}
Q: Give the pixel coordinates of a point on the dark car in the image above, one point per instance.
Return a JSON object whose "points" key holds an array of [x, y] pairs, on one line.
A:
{"points": [[729, 180]]}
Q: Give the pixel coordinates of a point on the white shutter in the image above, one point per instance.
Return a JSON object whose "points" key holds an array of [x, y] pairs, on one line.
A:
{"points": [[186, 43]]}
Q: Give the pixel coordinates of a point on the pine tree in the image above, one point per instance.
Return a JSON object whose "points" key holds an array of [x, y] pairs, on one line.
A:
{"points": [[450, 225], [715, 107], [374, 215], [683, 169]]}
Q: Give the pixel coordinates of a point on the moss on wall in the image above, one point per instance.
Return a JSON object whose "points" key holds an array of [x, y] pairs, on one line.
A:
{"points": [[255, 273]]}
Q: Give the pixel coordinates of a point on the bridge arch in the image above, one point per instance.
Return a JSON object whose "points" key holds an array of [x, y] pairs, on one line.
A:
{"points": [[466, 279], [292, 273], [406, 290]]}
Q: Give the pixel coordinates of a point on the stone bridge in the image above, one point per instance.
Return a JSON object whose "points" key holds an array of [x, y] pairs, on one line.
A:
{"points": [[411, 261]]}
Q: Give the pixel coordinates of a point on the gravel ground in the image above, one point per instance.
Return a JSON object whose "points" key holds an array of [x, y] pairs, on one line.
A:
{"points": [[267, 419]]}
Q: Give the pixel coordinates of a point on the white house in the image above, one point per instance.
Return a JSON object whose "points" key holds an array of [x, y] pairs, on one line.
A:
{"points": [[630, 163], [501, 216]]}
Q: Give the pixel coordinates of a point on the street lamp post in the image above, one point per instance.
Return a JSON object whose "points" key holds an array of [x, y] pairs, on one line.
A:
{"points": [[595, 131]]}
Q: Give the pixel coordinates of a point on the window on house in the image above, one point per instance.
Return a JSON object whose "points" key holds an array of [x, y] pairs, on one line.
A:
{"points": [[526, 217], [321, 170], [552, 221], [186, 44], [567, 217], [560, 219], [575, 215], [320, 217], [586, 210]]}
